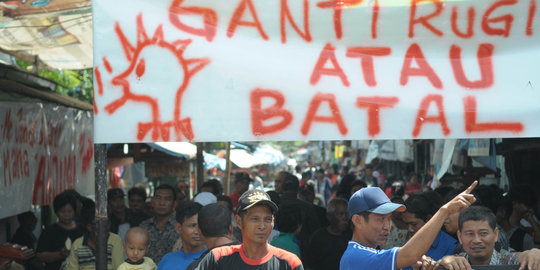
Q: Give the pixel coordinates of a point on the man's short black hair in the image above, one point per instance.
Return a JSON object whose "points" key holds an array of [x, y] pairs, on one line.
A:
{"points": [[477, 213], [114, 193], [364, 214], [168, 187], [226, 199], [241, 176], [332, 204], [214, 220], [288, 218], [64, 199], [359, 183], [424, 205], [137, 191], [443, 191], [213, 184], [490, 196], [187, 210], [274, 196], [26, 217], [524, 195], [290, 183], [75, 193]]}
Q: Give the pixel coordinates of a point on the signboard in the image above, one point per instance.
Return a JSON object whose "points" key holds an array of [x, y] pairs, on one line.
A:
{"points": [[203, 70], [60, 41], [45, 149], [166, 168]]}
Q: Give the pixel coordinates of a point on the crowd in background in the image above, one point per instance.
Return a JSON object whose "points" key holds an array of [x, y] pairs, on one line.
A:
{"points": [[312, 221]]}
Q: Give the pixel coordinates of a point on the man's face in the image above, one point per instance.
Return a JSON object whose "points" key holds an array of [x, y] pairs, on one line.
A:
{"points": [[339, 219], [163, 202], [117, 204], [136, 201], [241, 187], [256, 225], [451, 223], [180, 197], [520, 208], [183, 186], [319, 175], [376, 229], [65, 214], [279, 182], [369, 172], [91, 228], [189, 232], [478, 239], [413, 223]]}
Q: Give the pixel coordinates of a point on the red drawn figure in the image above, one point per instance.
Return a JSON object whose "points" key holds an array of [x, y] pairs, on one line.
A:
{"points": [[162, 62]]}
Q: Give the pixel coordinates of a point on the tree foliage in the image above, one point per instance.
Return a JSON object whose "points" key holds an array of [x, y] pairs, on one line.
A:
{"points": [[73, 83]]}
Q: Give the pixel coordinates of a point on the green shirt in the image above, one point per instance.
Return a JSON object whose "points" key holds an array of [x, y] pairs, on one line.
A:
{"points": [[287, 241]]}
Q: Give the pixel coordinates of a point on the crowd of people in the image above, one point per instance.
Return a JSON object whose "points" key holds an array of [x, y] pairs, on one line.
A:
{"points": [[310, 220]]}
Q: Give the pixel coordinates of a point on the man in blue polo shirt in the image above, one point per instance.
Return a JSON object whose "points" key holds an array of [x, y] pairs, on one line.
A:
{"points": [[192, 245], [370, 211], [420, 208]]}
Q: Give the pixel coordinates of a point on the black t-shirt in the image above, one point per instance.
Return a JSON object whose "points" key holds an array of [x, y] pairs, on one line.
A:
{"points": [[24, 238], [53, 238], [196, 262], [325, 249], [233, 257]]}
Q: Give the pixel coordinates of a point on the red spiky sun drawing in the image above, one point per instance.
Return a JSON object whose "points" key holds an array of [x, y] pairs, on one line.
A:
{"points": [[181, 72]]}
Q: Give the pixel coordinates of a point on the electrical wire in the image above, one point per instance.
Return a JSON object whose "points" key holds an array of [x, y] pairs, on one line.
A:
{"points": [[44, 37], [38, 26]]}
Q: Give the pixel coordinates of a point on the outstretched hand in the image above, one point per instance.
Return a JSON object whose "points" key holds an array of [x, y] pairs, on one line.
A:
{"points": [[529, 259], [426, 263], [454, 263], [461, 201]]}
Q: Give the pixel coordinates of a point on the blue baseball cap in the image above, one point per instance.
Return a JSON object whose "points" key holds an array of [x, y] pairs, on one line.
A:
{"points": [[372, 199]]}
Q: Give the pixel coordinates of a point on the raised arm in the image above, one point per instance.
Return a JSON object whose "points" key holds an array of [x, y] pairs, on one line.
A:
{"points": [[419, 244]]}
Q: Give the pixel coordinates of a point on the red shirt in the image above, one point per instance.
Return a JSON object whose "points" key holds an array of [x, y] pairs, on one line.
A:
{"points": [[388, 192], [412, 188], [234, 198], [233, 257]]}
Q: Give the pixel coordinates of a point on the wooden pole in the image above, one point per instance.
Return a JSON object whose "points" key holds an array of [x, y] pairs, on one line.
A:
{"points": [[228, 170], [200, 165], [100, 158]]}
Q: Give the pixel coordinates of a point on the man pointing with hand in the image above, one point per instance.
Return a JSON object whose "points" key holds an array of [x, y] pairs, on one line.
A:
{"points": [[370, 211]]}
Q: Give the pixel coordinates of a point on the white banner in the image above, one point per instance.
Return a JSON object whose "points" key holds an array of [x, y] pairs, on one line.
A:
{"points": [[206, 70], [45, 149]]}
